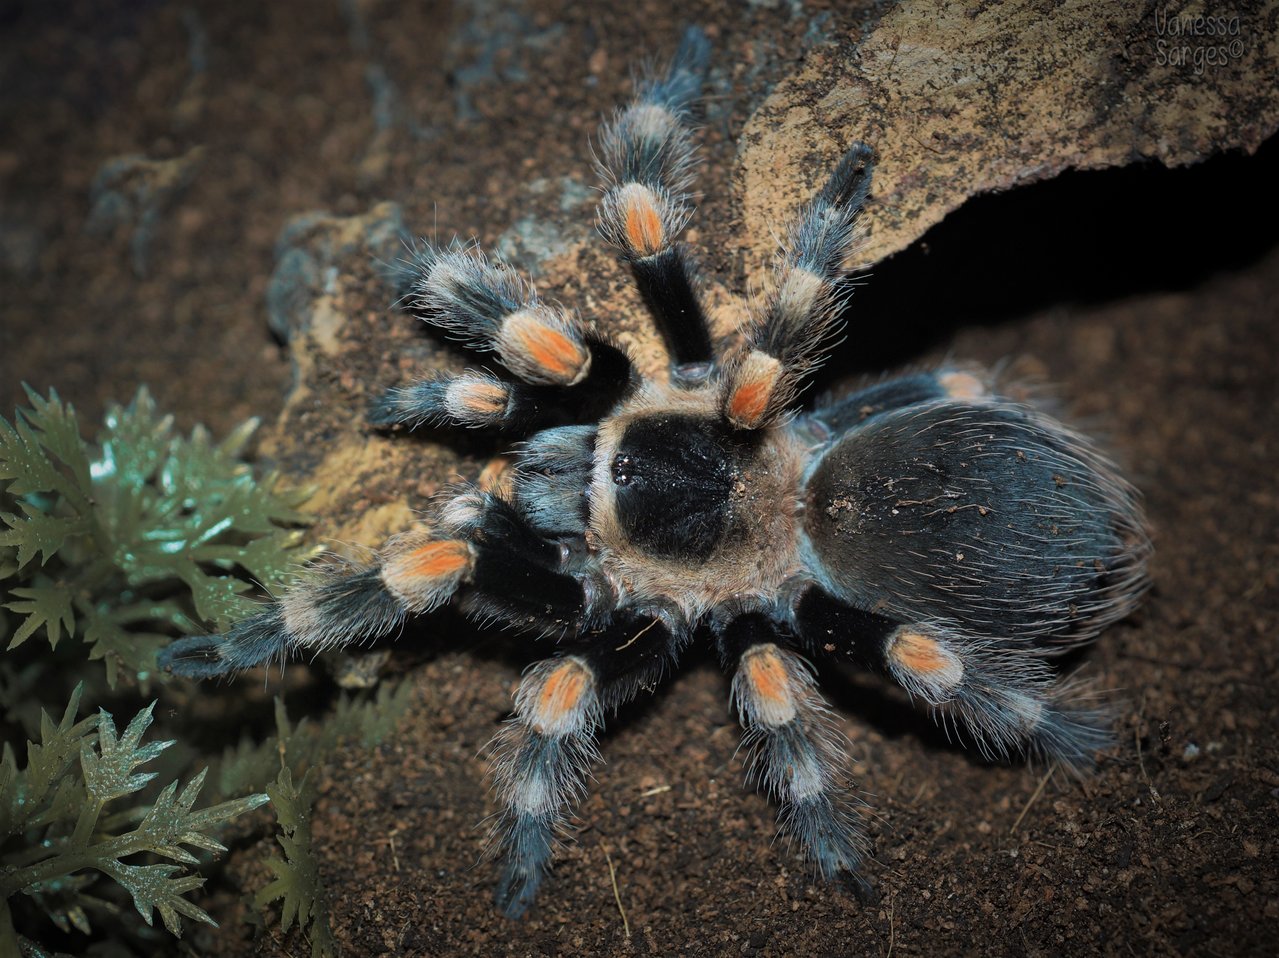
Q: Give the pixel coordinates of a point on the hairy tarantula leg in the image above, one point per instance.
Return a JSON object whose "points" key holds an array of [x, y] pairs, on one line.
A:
{"points": [[541, 759], [475, 398], [543, 754], [1007, 698], [491, 307], [512, 571], [646, 158], [898, 391], [337, 604], [555, 469], [479, 399], [331, 606], [516, 576], [796, 748], [565, 369], [802, 317]]}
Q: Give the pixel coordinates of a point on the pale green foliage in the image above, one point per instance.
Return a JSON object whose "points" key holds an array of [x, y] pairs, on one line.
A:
{"points": [[136, 538], [122, 544], [56, 830], [304, 745], [297, 877], [360, 722]]}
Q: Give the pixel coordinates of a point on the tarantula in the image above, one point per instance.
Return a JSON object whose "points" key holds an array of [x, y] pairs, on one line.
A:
{"points": [[924, 527]]}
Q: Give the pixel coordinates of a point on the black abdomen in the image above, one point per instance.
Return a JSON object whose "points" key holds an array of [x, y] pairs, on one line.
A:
{"points": [[991, 516]]}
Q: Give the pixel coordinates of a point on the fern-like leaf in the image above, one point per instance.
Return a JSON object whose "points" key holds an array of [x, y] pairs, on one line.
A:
{"points": [[170, 822], [155, 887], [36, 534], [108, 772], [60, 815], [47, 607], [60, 433], [50, 427], [27, 802], [297, 883], [364, 722]]}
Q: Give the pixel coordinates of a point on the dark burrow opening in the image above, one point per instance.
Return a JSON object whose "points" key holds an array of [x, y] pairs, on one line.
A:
{"points": [[1084, 237]]}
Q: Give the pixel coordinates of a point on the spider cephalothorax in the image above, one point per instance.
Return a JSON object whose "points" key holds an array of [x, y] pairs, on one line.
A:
{"points": [[925, 526]]}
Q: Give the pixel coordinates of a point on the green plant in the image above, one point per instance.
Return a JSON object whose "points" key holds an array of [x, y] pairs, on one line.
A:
{"points": [[297, 882], [123, 544], [298, 746], [141, 536], [304, 745], [57, 831]]}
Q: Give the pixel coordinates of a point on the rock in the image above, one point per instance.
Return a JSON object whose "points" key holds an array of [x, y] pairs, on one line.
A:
{"points": [[962, 99]]}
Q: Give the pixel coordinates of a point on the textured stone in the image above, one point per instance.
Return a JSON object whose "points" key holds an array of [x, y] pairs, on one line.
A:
{"points": [[961, 99]]}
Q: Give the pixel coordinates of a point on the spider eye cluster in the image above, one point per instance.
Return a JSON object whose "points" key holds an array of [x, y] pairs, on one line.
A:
{"points": [[623, 467]]}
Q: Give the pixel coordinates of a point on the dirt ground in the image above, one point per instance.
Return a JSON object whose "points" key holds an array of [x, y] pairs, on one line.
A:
{"points": [[1145, 296]]}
